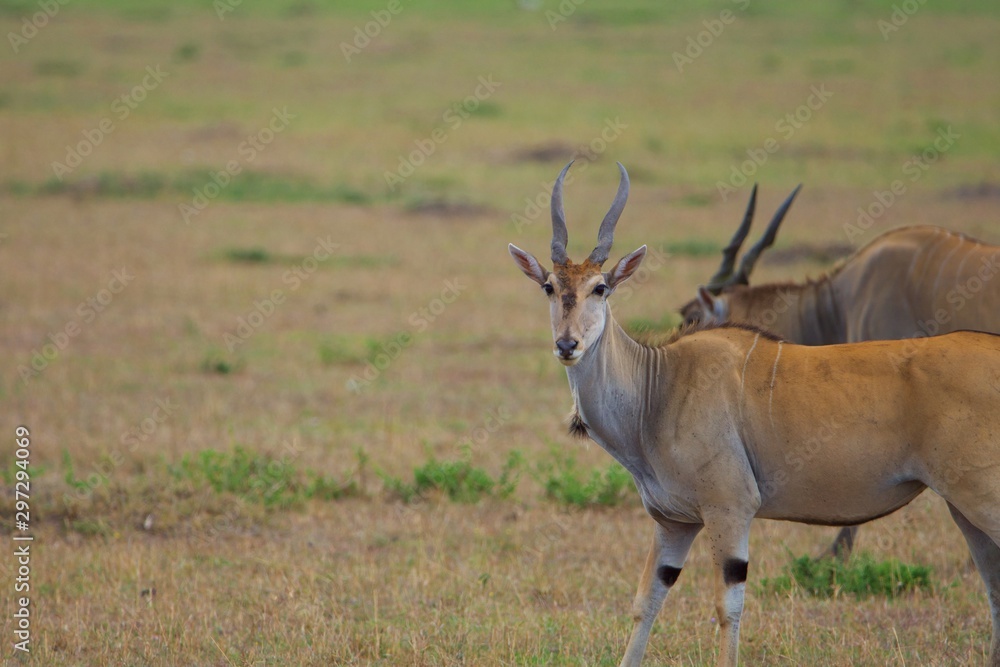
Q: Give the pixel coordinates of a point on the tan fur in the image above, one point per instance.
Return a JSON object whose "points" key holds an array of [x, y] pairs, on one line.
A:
{"points": [[907, 283]]}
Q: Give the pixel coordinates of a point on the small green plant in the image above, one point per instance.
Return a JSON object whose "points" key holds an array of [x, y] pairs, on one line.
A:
{"points": [[336, 350], [90, 527], [861, 576], [566, 483], [220, 364], [9, 474], [263, 478], [188, 51], [254, 255], [67, 68], [70, 473], [459, 480]]}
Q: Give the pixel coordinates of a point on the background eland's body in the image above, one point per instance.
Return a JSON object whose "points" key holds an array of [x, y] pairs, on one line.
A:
{"points": [[909, 282]]}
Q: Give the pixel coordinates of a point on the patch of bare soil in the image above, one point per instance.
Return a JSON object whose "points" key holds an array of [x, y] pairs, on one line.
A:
{"points": [[982, 190], [552, 151], [442, 208]]}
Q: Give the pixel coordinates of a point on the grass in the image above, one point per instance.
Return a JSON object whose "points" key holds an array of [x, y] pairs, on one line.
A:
{"points": [[260, 557], [271, 481], [459, 480], [564, 482], [245, 186], [861, 576], [693, 248]]}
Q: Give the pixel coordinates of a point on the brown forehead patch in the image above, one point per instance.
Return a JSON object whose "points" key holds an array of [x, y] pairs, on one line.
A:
{"points": [[570, 276], [570, 273]]}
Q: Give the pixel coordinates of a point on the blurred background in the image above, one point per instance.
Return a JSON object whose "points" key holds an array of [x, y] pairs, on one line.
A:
{"points": [[290, 401]]}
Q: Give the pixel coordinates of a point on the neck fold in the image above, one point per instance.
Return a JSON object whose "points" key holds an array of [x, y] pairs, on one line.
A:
{"points": [[612, 386]]}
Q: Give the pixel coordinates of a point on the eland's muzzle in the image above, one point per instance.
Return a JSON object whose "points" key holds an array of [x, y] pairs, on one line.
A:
{"points": [[566, 349]]}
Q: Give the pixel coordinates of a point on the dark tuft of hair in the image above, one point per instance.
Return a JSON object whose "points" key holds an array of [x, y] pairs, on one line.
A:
{"points": [[577, 427]]}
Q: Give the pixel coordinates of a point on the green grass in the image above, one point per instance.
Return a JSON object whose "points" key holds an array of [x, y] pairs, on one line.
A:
{"points": [[693, 247], [217, 362], [338, 350], [459, 480], [262, 478], [565, 483], [255, 255], [861, 576]]}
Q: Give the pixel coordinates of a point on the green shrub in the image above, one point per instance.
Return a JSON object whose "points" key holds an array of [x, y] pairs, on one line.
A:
{"points": [[263, 478], [459, 480], [565, 483], [861, 576]]}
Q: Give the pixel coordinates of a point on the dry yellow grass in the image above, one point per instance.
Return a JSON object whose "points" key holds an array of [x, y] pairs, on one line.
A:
{"points": [[365, 579]]}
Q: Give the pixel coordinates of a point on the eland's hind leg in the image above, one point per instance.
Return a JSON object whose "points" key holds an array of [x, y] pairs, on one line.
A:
{"points": [[843, 544], [986, 555]]}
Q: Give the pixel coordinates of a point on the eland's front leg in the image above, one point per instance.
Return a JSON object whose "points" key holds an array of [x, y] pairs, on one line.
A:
{"points": [[667, 553], [729, 537]]}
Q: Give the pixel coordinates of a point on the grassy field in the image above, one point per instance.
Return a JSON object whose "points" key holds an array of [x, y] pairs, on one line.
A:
{"points": [[290, 402]]}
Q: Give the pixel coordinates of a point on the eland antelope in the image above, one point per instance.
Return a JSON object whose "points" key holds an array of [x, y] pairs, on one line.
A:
{"points": [[909, 282], [728, 423]]}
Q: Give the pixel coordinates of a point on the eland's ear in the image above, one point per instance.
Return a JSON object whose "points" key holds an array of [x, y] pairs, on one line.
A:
{"points": [[706, 300], [625, 267], [527, 263]]}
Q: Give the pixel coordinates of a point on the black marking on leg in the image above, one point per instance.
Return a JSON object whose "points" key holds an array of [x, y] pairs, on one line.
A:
{"points": [[577, 427], [734, 571], [668, 575]]}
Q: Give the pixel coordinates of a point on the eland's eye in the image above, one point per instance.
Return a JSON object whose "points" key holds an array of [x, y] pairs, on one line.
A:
{"points": [[601, 290], [548, 289]]}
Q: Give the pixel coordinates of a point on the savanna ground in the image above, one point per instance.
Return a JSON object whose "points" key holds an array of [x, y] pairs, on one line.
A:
{"points": [[211, 490]]}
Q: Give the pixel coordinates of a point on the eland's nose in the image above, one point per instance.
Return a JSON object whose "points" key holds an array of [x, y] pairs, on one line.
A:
{"points": [[566, 347]]}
